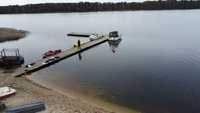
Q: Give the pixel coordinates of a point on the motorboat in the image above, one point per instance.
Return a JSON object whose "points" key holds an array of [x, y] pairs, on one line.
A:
{"points": [[114, 36], [93, 37]]}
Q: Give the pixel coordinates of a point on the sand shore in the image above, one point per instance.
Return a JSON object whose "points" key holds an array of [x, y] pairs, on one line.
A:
{"points": [[28, 91], [8, 34]]}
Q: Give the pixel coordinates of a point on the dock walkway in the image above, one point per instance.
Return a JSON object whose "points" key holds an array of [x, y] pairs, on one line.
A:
{"points": [[80, 34], [40, 64]]}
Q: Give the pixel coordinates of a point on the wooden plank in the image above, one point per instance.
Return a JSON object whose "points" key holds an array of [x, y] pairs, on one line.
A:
{"points": [[63, 55]]}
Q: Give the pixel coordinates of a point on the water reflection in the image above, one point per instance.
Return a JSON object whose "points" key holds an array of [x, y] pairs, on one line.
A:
{"points": [[80, 56], [114, 44]]}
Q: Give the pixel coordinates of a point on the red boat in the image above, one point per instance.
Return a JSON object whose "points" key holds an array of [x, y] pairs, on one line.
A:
{"points": [[51, 53], [6, 92]]}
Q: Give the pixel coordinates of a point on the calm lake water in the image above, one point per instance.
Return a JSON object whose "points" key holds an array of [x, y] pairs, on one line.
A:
{"points": [[155, 68]]}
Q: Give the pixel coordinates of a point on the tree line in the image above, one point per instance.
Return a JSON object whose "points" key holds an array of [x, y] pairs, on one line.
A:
{"points": [[91, 7]]}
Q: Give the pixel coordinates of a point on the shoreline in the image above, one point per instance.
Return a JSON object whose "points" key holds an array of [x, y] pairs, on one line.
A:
{"points": [[99, 11], [55, 101], [28, 91], [95, 101]]}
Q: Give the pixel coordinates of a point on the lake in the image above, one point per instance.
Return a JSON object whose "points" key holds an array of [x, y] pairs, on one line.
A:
{"points": [[154, 69]]}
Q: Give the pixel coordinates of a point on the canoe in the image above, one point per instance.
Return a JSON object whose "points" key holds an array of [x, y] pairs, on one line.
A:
{"points": [[6, 92], [28, 108]]}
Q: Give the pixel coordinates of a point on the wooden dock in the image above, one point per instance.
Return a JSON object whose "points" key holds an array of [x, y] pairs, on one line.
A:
{"points": [[80, 34], [40, 64]]}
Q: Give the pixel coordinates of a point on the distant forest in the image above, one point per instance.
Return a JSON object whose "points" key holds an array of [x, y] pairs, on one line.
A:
{"points": [[91, 7]]}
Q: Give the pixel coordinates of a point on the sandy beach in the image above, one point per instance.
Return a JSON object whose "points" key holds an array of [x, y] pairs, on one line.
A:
{"points": [[28, 91]]}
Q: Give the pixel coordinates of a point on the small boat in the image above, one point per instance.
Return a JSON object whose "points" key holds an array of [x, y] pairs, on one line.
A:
{"points": [[51, 59], [115, 39], [30, 65], [114, 36], [6, 92], [52, 53], [93, 37]]}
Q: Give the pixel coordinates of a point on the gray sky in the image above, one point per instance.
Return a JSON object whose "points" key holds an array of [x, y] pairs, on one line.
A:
{"points": [[22, 2]]}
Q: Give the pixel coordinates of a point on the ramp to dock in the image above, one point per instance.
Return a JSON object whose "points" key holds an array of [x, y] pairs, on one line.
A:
{"points": [[40, 64]]}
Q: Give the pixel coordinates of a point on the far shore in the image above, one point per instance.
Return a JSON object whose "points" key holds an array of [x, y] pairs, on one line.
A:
{"points": [[10, 34], [99, 6]]}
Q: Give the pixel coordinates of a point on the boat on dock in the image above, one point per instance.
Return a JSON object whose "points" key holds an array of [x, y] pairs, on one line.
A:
{"points": [[93, 37], [51, 53], [45, 62], [6, 92], [53, 57]]}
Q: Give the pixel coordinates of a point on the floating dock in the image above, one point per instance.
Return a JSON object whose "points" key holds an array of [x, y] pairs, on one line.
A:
{"points": [[80, 34], [40, 64]]}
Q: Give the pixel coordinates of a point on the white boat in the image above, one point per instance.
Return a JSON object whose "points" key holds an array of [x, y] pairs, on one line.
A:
{"points": [[6, 92], [93, 37], [114, 39]]}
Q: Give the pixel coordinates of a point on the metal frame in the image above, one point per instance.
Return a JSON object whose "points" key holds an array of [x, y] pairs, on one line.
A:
{"points": [[3, 52]]}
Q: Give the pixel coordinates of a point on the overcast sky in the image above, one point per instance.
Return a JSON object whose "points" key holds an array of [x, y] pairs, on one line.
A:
{"points": [[22, 2]]}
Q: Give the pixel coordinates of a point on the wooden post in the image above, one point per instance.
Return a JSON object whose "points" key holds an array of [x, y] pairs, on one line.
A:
{"points": [[4, 53], [79, 43], [18, 52], [1, 53]]}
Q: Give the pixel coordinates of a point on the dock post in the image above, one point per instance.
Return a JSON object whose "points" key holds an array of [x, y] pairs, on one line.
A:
{"points": [[79, 43], [4, 53]]}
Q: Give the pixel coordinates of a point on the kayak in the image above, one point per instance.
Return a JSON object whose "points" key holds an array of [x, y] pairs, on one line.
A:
{"points": [[6, 92]]}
